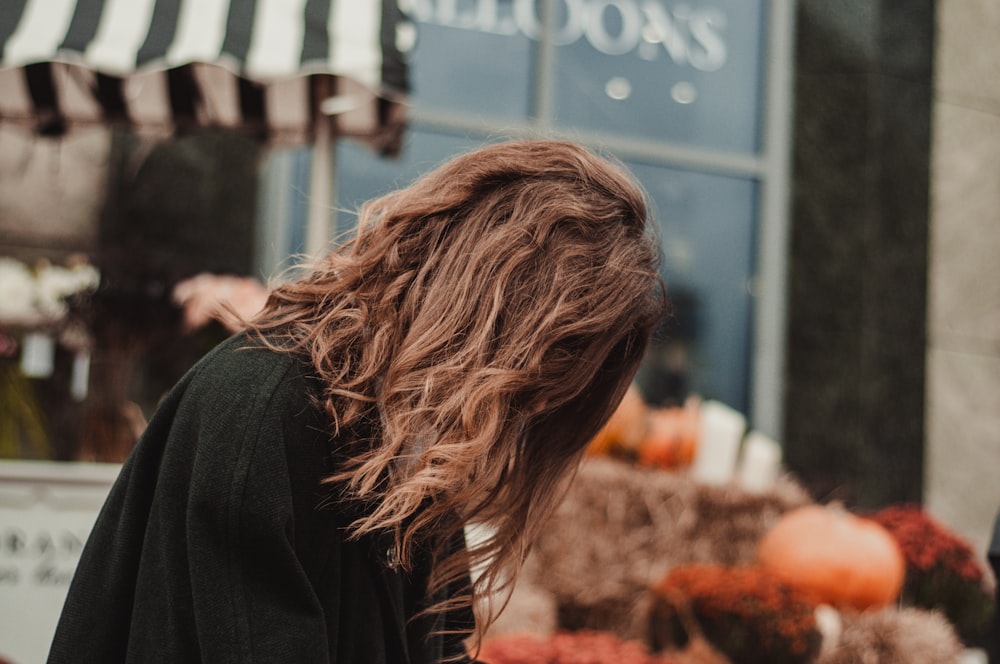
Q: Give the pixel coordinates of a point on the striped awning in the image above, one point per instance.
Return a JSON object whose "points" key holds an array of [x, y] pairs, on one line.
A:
{"points": [[270, 67]]}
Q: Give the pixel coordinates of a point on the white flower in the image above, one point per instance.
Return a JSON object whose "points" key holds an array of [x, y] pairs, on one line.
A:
{"points": [[17, 293], [31, 300], [55, 284]]}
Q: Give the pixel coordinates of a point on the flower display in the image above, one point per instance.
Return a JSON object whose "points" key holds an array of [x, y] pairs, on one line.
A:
{"points": [[17, 291], [663, 558], [31, 298], [745, 612], [35, 308], [942, 571], [927, 545]]}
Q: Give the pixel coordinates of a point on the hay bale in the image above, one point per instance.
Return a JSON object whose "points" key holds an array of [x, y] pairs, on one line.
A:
{"points": [[620, 528], [895, 636]]}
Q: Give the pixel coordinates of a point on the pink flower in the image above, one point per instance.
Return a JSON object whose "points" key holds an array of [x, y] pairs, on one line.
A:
{"points": [[229, 299]]}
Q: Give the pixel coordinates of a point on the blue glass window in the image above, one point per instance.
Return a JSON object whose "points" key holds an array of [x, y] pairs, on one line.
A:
{"points": [[707, 225], [679, 72], [361, 175], [473, 57]]}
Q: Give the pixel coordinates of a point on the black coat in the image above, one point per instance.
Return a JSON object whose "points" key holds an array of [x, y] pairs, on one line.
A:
{"points": [[218, 543]]}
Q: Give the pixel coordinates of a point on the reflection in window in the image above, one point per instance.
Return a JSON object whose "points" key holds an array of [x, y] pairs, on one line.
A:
{"points": [[473, 57], [680, 72], [363, 175], [707, 228]]}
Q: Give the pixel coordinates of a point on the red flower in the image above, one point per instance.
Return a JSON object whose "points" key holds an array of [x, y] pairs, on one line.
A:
{"points": [[927, 545], [746, 612], [942, 571], [566, 648]]}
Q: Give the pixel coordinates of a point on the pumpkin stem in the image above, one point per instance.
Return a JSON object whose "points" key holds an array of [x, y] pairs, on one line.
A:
{"points": [[836, 506]]}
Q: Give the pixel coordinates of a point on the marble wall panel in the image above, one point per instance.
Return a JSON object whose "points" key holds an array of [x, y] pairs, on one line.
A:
{"points": [[963, 454], [963, 380], [967, 62], [964, 282]]}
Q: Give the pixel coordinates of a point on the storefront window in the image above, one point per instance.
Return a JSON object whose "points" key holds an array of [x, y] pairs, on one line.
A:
{"points": [[707, 226], [363, 176], [473, 57], [686, 73], [678, 74]]}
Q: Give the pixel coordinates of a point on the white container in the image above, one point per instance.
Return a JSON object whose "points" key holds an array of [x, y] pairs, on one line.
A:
{"points": [[722, 430], [760, 463]]}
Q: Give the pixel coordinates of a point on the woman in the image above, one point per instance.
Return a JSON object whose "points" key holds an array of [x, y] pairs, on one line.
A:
{"points": [[301, 495]]}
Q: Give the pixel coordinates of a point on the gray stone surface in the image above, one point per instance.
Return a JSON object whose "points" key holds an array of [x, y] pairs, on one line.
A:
{"points": [[963, 388]]}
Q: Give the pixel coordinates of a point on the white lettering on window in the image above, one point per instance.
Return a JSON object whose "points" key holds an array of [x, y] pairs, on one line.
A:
{"points": [[599, 35], [705, 28], [689, 36]]}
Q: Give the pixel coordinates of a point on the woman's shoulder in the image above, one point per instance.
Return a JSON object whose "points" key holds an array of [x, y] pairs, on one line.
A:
{"points": [[244, 369]]}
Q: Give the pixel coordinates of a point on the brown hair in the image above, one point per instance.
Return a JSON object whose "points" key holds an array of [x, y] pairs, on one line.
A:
{"points": [[486, 319]]}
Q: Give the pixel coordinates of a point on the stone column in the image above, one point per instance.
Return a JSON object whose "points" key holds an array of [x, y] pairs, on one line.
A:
{"points": [[854, 402]]}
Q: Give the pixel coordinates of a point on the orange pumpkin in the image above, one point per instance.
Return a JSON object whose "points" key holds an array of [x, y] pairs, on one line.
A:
{"points": [[625, 429], [842, 559], [671, 438]]}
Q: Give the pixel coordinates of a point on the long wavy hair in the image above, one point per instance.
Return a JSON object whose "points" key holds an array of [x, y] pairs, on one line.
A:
{"points": [[483, 323]]}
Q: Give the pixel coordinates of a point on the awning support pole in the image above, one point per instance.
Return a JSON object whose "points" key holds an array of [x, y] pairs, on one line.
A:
{"points": [[321, 181]]}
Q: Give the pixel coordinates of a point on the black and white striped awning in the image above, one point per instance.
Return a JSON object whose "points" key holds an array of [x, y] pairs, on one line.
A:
{"points": [[166, 66]]}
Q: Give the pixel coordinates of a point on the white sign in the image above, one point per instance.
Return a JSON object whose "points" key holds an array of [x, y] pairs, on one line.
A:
{"points": [[46, 514]]}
